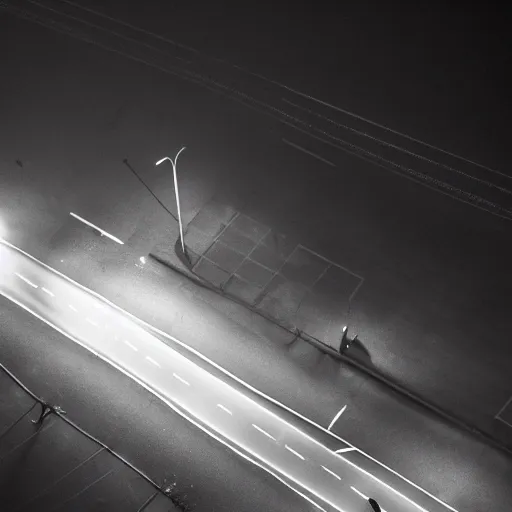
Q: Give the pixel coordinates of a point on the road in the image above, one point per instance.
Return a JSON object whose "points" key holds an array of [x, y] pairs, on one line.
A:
{"points": [[57, 468], [332, 477]]}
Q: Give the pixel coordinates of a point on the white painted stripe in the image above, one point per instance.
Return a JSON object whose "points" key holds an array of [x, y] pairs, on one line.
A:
{"points": [[344, 450], [336, 417], [294, 452], [73, 308], [133, 347], [314, 155], [331, 472], [103, 232], [47, 291], [275, 472], [224, 409], [227, 373], [363, 496], [176, 376], [26, 280], [92, 322], [263, 431], [152, 361]]}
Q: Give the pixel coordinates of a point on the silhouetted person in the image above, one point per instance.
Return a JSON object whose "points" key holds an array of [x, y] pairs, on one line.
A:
{"points": [[375, 506]]}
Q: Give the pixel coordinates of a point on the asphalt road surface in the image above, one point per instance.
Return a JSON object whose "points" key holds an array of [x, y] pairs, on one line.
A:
{"points": [[333, 477]]}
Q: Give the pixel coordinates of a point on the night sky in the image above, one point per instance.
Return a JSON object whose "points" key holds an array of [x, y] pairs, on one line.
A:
{"points": [[435, 71]]}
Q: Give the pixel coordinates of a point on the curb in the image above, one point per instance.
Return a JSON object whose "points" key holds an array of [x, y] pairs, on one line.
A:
{"points": [[398, 389]]}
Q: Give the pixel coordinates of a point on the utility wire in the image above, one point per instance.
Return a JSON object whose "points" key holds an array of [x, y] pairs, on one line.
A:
{"points": [[290, 89]]}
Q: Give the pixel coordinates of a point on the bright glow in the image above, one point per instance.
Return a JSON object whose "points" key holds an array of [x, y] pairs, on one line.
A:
{"points": [[163, 160], [112, 237], [142, 260]]}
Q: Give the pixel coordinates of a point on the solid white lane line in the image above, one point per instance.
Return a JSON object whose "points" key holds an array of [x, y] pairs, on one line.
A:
{"points": [[176, 376], [294, 452], [26, 280], [419, 507], [73, 308], [224, 409], [336, 417], [133, 347], [253, 458], [47, 291], [331, 472], [229, 374], [263, 431], [363, 496], [112, 237], [92, 322], [152, 361], [344, 450]]}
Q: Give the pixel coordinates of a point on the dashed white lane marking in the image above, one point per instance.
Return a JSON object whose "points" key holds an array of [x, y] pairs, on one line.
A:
{"points": [[263, 431], [133, 347], [73, 308], [220, 406], [23, 278], [92, 322], [294, 452], [176, 376], [152, 361], [47, 291], [331, 472]]}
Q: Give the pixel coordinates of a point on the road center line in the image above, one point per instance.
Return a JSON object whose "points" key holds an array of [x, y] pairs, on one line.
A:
{"points": [[224, 409], [331, 472], [294, 452], [47, 291], [73, 308], [26, 280], [263, 431], [179, 378], [133, 347], [152, 361], [92, 322]]}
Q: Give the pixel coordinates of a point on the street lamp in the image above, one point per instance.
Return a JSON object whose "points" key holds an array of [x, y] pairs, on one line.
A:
{"points": [[173, 162]]}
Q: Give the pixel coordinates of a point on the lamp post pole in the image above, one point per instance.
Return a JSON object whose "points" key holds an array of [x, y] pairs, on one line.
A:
{"points": [[174, 163]]}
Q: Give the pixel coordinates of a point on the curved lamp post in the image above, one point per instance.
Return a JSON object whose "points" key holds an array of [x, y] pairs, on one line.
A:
{"points": [[173, 162]]}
